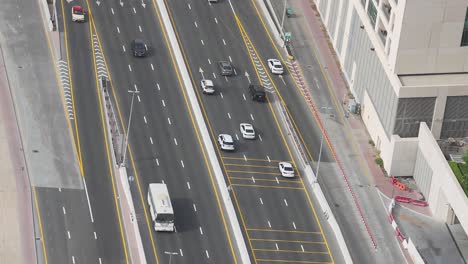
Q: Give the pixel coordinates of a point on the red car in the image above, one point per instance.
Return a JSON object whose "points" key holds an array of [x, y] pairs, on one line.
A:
{"points": [[77, 14]]}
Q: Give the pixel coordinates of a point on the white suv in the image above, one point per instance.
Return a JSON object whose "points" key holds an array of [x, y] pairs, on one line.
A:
{"points": [[225, 142], [247, 131], [207, 86], [275, 66], [286, 169]]}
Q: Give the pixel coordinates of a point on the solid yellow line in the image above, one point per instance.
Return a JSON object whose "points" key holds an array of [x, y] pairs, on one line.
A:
{"points": [[282, 231], [266, 186], [211, 133], [137, 178], [234, 158], [181, 85], [254, 172], [38, 212], [290, 261], [291, 251], [257, 179], [287, 241], [281, 132], [78, 144], [109, 163], [254, 166]]}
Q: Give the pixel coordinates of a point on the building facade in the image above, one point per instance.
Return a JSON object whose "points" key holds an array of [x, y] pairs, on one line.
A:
{"points": [[406, 62]]}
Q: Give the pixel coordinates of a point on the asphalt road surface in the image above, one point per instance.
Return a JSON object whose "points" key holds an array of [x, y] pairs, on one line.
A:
{"points": [[276, 214], [163, 140]]}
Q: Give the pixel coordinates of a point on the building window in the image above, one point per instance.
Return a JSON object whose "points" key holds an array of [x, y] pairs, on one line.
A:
{"points": [[464, 40], [372, 12]]}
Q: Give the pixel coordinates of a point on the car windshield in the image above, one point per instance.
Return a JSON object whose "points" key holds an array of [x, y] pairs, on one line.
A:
{"points": [[226, 66], [77, 11], [278, 66], [289, 169], [139, 45], [165, 218], [249, 130], [228, 143]]}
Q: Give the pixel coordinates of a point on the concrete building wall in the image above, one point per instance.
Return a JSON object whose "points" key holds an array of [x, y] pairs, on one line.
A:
{"points": [[365, 69], [422, 173], [445, 192], [430, 33]]}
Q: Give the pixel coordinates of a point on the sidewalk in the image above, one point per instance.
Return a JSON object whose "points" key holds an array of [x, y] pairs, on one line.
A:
{"points": [[16, 218]]}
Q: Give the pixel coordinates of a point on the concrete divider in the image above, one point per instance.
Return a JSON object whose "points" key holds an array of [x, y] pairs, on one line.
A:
{"points": [[228, 207], [130, 225]]}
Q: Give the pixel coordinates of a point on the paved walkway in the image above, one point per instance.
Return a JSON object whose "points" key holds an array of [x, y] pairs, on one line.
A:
{"points": [[16, 218]]}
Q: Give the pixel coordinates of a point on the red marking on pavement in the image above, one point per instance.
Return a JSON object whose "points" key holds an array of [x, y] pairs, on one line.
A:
{"points": [[327, 139]]}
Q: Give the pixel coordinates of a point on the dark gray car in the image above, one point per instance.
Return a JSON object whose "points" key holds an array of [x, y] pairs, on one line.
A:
{"points": [[225, 68], [139, 48]]}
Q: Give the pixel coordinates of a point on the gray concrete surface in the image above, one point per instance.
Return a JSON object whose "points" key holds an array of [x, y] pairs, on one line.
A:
{"points": [[16, 218], [47, 145], [432, 238], [461, 239]]}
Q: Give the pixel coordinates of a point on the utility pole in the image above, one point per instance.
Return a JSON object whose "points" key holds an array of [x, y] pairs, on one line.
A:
{"points": [[282, 23], [133, 92], [321, 139]]}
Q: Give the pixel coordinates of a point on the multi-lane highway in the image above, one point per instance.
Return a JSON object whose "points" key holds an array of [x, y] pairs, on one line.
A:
{"points": [[277, 214], [107, 239], [164, 143]]}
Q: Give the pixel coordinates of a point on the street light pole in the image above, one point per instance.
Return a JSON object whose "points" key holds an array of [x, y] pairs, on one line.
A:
{"points": [[282, 22], [128, 127], [170, 255], [321, 142]]}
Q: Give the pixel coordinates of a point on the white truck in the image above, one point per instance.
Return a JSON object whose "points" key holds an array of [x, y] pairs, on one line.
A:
{"points": [[160, 206]]}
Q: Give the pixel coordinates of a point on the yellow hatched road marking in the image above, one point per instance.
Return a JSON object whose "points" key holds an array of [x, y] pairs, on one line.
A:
{"points": [[267, 186], [277, 122], [282, 231], [290, 261], [265, 160], [291, 251], [254, 166], [257, 179], [287, 241], [254, 172]]}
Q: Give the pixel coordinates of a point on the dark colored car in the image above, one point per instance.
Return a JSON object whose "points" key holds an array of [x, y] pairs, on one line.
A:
{"points": [[139, 48], [257, 93], [225, 68]]}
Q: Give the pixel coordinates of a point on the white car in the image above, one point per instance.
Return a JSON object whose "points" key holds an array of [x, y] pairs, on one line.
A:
{"points": [[286, 169], [207, 86], [275, 66], [225, 142], [247, 131], [77, 14]]}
